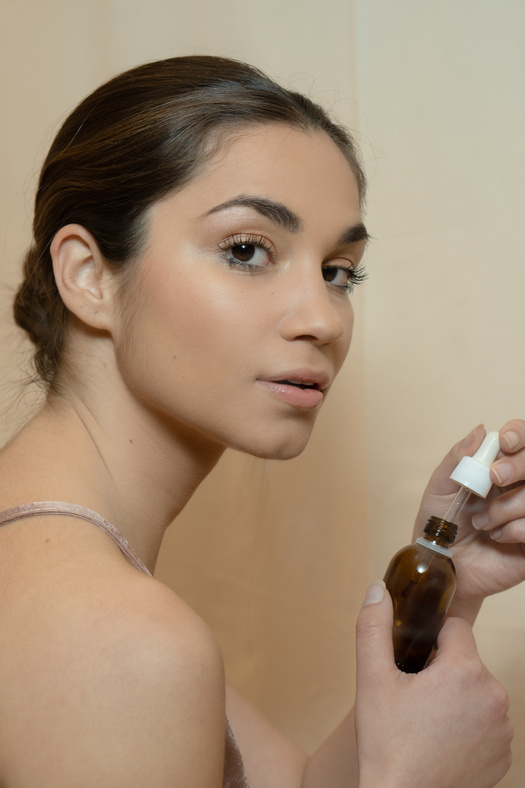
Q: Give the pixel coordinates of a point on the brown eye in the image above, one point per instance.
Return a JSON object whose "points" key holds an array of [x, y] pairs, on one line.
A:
{"points": [[250, 256], [243, 252], [249, 252], [329, 274], [343, 278], [337, 276]]}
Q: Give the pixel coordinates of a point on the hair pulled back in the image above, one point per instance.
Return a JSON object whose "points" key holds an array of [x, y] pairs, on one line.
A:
{"points": [[135, 139]]}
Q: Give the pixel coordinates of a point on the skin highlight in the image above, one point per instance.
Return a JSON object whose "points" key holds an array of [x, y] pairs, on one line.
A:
{"points": [[280, 315]]}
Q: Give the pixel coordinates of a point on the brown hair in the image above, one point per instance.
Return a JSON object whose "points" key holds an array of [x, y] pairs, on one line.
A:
{"points": [[138, 137]]}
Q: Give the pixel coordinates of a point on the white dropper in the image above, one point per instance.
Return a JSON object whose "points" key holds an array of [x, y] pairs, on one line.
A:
{"points": [[473, 474]]}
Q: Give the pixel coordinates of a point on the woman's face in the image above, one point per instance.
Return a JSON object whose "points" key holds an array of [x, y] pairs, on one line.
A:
{"points": [[237, 318]]}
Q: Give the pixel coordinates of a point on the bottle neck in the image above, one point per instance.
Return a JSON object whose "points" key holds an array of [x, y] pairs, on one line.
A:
{"points": [[440, 532]]}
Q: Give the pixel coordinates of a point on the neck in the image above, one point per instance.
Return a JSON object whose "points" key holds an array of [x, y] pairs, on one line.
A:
{"points": [[125, 462]]}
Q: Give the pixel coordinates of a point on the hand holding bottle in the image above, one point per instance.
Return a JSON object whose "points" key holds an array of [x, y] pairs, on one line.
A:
{"points": [[489, 557], [444, 727]]}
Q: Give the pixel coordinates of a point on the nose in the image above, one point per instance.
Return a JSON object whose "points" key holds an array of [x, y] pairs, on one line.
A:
{"points": [[315, 313]]}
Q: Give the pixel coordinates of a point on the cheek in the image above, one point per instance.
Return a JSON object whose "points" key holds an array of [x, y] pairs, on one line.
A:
{"points": [[189, 320]]}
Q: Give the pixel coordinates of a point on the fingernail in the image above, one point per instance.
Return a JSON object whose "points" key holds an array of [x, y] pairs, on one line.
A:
{"points": [[495, 534], [470, 437], [511, 439], [503, 472], [375, 593], [480, 520]]}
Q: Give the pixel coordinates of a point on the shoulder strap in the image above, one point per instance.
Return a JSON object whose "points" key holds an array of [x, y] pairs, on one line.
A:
{"points": [[72, 510]]}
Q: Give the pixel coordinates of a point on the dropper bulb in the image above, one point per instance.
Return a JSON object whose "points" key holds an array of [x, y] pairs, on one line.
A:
{"points": [[474, 472], [488, 451]]}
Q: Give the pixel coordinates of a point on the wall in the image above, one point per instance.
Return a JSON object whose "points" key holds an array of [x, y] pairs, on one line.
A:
{"points": [[276, 557], [440, 90]]}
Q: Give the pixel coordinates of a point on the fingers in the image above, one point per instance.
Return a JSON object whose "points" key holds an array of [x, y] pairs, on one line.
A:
{"points": [[456, 642], [503, 517], [470, 442], [375, 651], [440, 481], [457, 655], [512, 435], [510, 468], [454, 706]]}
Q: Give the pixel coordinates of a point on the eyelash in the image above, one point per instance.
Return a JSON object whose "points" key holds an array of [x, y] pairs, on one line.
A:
{"points": [[355, 275], [257, 241]]}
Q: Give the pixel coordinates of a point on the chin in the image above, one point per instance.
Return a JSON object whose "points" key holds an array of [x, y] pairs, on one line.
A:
{"points": [[285, 453], [286, 445]]}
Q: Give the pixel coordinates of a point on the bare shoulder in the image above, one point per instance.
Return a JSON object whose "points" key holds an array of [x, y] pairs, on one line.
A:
{"points": [[127, 688]]}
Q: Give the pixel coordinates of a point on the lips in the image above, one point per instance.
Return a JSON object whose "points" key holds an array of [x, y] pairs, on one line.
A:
{"points": [[300, 383], [305, 379], [302, 390]]}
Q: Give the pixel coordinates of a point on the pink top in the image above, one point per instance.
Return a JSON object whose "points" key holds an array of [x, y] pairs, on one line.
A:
{"points": [[234, 775]]}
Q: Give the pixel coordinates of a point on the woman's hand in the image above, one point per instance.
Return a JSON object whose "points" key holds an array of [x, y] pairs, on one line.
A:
{"points": [[488, 551], [442, 728]]}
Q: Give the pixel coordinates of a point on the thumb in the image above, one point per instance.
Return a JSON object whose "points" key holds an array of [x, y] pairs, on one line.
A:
{"points": [[440, 482], [375, 650]]}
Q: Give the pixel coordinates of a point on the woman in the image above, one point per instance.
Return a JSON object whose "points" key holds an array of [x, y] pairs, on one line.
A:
{"points": [[197, 232]]}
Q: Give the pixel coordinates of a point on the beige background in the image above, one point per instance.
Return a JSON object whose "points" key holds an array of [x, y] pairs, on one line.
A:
{"points": [[277, 556]]}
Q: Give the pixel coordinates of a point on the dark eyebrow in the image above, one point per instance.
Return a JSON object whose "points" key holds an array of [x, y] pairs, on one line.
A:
{"points": [[274, 211], [280, 214], [353, 235]]}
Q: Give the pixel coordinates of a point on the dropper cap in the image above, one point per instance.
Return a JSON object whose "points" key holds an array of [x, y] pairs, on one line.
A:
{"points": [[474, 472]]}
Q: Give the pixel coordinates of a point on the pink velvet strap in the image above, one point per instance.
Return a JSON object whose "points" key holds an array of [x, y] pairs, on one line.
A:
{"points": [[72, 510]]}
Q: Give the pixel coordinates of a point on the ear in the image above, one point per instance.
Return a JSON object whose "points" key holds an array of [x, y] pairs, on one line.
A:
{"points": [[82, 275]]}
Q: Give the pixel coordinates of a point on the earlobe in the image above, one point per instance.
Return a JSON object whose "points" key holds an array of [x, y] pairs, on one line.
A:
{"points": [[82, 275]]}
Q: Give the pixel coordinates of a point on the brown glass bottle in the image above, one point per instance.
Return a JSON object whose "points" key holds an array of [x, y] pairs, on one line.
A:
{"points": [[421, 579]]}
